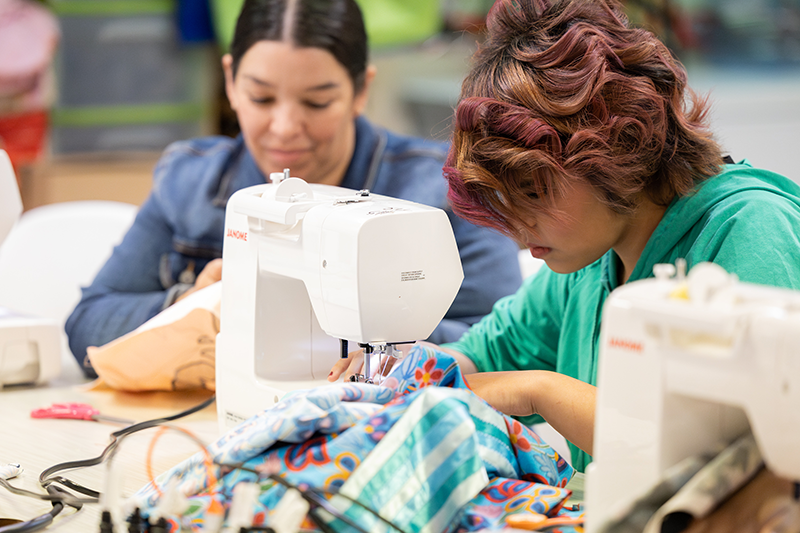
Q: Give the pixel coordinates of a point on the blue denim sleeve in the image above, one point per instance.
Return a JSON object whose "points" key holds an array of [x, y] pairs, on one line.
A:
{"points": [[127, 290]]}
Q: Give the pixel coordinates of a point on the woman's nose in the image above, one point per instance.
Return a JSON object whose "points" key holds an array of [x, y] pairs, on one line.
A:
{"points": [[286, 121]]}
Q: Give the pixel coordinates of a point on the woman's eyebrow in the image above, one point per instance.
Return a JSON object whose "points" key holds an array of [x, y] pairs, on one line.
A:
{"points": [[324, 87], [316, 88]]}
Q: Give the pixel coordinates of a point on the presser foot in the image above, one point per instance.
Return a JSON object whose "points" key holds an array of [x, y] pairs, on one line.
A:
{"points": [[361, 378]]}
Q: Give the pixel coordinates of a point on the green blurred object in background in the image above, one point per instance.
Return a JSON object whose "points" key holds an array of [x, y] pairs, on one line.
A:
{"points": [[389, 22]]}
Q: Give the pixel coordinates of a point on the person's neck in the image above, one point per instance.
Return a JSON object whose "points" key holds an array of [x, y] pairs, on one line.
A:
{"points": [[642, 224]]}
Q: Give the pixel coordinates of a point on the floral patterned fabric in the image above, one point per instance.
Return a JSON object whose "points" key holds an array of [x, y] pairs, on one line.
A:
{"points": [[420, 449]]}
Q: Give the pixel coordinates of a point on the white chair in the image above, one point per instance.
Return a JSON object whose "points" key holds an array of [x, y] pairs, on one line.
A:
{"points": [[10, 201], [52, 252]]}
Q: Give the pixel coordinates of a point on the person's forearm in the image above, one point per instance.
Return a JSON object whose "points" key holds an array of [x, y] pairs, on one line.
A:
{"points": [[568, 405], [565, 403]]}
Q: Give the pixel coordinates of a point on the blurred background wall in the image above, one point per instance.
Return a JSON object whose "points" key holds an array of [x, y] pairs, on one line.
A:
{"points": [[92, 90]]}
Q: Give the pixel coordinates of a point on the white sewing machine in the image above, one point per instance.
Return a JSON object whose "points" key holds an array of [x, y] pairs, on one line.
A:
{"points": [[30, 347], [306, 265], [686, 365]]}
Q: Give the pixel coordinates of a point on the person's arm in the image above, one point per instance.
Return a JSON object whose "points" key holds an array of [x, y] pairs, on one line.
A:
{"points": [[173, 238], [565, 403], [127, 290]]}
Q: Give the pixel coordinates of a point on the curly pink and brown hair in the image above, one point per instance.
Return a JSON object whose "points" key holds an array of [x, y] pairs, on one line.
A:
{"points": [[566, 91]]}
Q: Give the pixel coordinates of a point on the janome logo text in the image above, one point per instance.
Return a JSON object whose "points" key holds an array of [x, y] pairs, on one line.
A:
{"points": [[236, 234], [626, 344]]}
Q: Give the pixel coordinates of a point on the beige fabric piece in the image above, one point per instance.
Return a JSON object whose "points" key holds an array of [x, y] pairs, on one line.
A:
{"points": [[174, 350]]}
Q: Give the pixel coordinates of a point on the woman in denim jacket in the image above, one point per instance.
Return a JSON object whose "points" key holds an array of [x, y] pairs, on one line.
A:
{"points": [[298, 79]]}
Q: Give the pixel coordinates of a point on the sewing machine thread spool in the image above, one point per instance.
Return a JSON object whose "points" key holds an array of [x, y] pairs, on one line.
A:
{"points": [[277, 177]]}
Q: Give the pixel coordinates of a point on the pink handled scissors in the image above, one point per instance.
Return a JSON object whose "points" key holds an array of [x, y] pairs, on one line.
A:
{"points": [[76, 411]]}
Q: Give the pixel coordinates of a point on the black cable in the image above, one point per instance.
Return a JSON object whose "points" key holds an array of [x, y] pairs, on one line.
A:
{"points": [[60, 497], [46, 479], [316, 497], [35, 524], [41, 521]]}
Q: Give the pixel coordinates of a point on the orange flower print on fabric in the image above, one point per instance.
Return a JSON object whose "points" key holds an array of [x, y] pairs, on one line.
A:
{"points": [[426, 375], [517, 437]]}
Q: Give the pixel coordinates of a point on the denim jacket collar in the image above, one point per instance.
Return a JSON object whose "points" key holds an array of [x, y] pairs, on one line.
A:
{"points": [[367, 154], [242, 170]]}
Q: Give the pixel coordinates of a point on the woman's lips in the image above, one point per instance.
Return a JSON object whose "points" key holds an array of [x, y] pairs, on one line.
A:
{"points": [[539, 251], [286, 156]]}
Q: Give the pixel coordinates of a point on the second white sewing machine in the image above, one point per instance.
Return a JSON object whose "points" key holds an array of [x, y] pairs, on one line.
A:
{"points": [[686, 365], [306, 265], [30, 346]]}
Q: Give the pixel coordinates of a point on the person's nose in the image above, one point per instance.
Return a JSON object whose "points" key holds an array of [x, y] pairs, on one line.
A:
{"points": [[286, 121]]}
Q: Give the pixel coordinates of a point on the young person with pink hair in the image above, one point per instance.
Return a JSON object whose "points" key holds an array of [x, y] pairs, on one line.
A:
{"points": [[577, 135]]}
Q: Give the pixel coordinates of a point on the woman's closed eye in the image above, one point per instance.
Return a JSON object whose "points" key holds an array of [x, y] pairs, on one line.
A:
{"points": [[262, 100], [311, 104], [317, 104]]}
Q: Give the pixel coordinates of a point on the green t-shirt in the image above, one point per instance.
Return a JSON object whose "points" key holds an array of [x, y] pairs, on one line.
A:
{"points": [[746, 220]]}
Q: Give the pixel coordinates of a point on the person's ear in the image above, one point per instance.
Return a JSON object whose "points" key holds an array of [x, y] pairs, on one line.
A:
{"points": [[227, 70], [361, 98]]}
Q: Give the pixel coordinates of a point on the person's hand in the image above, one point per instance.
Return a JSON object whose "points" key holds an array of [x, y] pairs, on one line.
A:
{"points": [[354, 362], [565, 403], [348, 366], [211, 274]]}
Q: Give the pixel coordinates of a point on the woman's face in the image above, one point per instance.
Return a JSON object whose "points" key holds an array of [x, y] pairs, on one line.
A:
{"points": [[296, 109], [581, 230]]}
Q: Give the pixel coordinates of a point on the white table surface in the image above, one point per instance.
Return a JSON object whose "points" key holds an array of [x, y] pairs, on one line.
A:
{"points": [[37, 444]]}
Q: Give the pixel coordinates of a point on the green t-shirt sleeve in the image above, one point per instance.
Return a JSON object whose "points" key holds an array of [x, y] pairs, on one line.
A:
{"points": [[522, 331], [757, 238]]}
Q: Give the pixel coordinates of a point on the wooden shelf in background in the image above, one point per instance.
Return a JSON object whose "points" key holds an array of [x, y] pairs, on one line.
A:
{"points": [[121, 178]]}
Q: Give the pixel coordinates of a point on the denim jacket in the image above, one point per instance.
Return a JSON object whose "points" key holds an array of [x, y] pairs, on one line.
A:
{"points": [[180, 227]]}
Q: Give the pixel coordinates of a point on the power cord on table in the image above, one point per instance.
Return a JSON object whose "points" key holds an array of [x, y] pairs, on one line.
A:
{"points": [[60, 497], [46, 479]]}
